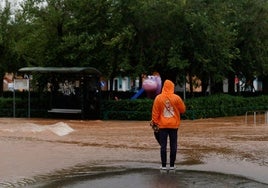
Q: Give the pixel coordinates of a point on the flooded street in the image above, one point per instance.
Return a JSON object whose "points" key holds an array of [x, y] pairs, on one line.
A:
{"points": [[220, 152]]}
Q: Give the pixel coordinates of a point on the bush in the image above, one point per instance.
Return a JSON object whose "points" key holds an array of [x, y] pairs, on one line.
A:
{"points": [[221, 105], [140, 109], [38, 107]]}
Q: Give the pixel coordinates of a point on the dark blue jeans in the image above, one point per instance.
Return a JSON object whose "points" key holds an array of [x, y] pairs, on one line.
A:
{"points": [[163, 138]]}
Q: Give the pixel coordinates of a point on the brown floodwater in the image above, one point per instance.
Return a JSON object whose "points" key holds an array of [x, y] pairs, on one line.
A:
{"points": [[219, 152]]}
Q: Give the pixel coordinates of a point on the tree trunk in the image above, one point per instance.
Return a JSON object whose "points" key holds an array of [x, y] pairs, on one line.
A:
{"points": [[218, 87], [2, 86], [204, 84], [110, 89], [265, 85], [231, 83], [191, 84]]}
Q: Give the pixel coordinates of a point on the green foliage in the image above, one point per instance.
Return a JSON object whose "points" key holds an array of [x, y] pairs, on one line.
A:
{"points": [[202, 107], [210, 39], [38, 106], [223, 105], [139, 109]]}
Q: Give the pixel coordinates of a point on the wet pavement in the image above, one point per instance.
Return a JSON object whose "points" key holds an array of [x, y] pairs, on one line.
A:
{"points": [[220, 152]]}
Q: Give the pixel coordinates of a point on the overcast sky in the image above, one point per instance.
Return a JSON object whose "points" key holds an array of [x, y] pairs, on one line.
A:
{"points": [[14, 3]]}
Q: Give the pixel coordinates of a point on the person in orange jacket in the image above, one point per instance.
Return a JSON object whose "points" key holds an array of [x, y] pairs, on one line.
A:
{"points": [[166, 111]]}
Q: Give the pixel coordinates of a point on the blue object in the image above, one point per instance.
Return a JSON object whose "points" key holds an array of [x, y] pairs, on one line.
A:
{"points": [[138, 94]]}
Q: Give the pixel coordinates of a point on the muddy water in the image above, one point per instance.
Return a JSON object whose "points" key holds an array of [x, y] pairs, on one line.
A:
{"points": [[115, 177], [221, 152]]}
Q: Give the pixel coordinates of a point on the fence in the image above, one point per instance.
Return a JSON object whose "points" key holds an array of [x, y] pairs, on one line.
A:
{"points": [[256, 117]]}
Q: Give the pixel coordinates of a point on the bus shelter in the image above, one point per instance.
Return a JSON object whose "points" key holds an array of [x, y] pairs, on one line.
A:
{"points": [[73, 90]]}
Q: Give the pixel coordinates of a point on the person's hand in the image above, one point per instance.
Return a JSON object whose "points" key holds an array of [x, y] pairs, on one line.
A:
{"points": [[154, 126]]}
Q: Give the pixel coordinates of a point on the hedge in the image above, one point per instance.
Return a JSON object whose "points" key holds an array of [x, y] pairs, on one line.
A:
{"points": [[221, 105]]}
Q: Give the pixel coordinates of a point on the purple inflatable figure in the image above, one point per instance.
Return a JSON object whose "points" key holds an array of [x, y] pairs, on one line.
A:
{"points": [[152, 85]]}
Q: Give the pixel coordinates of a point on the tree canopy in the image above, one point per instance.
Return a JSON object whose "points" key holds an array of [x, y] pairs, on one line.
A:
{"points": [[210, 39]]}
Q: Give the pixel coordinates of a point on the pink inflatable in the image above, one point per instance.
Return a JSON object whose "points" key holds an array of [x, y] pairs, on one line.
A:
{"points": [[152, 85], [149, 84]]}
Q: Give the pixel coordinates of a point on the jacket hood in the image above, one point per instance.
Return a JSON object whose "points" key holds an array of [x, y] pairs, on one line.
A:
{"points": [[168, 87]]}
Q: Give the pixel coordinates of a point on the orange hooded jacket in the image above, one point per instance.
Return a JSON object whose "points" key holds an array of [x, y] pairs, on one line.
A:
{"points": [[167, 107]]}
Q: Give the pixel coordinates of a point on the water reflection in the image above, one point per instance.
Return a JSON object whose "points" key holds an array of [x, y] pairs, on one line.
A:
{"points": [[121, 177]]}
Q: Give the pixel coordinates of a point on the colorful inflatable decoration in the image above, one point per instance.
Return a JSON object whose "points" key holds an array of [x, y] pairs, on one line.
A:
{"points": [[152, 85]]}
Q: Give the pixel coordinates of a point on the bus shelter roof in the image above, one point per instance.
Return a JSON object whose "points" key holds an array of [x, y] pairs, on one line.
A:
{"points": [[83, 70]]}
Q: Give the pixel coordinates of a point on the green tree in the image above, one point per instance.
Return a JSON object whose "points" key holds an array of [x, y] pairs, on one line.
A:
{"points": [[42, 29], [8, 57], [252, 39], [118, 41], [158, 36], [210, 39], [70, 33], [208, 43]]}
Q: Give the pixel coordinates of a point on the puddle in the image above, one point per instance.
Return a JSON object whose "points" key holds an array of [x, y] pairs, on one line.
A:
{"points": [[233, 166], [148, 178], [124, 176]]}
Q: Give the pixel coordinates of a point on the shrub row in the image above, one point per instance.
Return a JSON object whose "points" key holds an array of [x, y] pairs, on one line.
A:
{"points": [[38, 107], [202, 107], [140, 109]]}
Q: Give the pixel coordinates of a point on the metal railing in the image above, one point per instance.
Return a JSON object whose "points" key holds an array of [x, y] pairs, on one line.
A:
{"points": [[259, 117]]}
